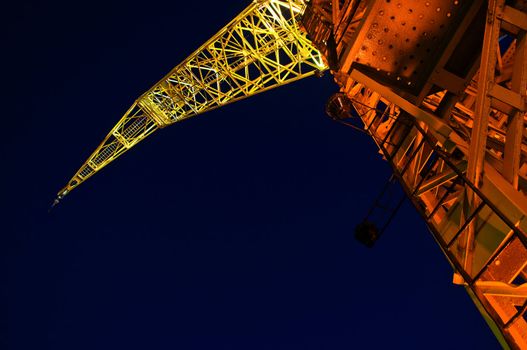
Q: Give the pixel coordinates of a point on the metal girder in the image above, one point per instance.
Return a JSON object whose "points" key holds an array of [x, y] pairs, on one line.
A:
{"points": [[262, 48], [455, 119], [515, 127], [486, 77], [442, 131]]}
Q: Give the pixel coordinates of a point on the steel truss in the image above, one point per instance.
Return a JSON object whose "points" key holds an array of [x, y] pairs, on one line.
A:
{"points": [[455, 138], [453, 130], [262, 48]]}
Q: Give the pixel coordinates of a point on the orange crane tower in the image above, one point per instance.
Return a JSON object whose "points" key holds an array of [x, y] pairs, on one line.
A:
{"points": [[440, 86]]}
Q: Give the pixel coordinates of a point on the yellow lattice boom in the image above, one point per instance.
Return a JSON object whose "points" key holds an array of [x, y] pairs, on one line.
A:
{"points": [[262, 48]]}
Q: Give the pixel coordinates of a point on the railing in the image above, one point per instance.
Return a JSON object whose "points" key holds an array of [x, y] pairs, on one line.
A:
{"points": [[453, 207]]}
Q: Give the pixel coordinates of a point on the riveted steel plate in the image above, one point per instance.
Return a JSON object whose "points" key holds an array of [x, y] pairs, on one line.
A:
{"points": [[405, 39]]}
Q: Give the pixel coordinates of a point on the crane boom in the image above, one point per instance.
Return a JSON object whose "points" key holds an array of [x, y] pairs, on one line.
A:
{"points": [[262, 48]]}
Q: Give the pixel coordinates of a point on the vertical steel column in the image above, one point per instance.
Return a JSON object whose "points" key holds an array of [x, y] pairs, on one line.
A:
{"points": [[513, 141], [477, 148]]}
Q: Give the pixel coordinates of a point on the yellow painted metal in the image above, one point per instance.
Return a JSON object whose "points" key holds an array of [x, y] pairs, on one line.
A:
{"points": [[262, 48]]}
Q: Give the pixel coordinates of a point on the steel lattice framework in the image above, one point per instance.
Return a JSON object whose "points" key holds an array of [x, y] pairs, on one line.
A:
{"points": [[262, 48], [439, 85]]}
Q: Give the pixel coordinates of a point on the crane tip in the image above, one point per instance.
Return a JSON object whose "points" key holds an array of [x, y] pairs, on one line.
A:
{"points": [[57, 200]]}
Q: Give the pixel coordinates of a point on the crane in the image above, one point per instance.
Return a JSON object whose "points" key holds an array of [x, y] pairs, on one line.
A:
{"points": [[440, 86], [262, 48]]}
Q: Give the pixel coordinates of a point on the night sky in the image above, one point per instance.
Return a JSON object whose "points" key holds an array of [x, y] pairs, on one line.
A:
{"points": [[232, 230]]}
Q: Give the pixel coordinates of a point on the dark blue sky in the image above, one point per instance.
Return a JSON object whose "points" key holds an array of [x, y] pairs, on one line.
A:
{"points": [[233, 230]]}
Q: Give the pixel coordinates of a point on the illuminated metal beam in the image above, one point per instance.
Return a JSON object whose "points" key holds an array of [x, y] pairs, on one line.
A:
{"points": [[456, 140], [262, 48]]}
